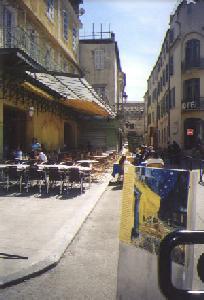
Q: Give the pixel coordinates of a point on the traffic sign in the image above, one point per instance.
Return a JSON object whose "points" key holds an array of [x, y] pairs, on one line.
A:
{"points": [[190, 131]]}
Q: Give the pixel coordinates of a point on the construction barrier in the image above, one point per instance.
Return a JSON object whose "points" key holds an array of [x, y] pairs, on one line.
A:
{"points": [[155, 202]]}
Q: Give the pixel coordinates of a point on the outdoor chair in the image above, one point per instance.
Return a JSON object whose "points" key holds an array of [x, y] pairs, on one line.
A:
{"points": [[75, 177], [86, 173], [32, 175], [13, 176], [54, 176]]}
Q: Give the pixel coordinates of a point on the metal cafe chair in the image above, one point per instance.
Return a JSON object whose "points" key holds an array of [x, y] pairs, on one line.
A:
{"points": [[54, 175], [75, 177], [32, 175], [86, 173], [13, 176]]}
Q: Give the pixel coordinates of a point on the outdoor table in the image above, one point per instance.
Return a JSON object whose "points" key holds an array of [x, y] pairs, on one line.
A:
{"points": [[19, 166], [63, 167], [91, 161]]}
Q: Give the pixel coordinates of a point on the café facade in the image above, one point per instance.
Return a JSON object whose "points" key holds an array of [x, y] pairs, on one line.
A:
{"points": [[43, 93]]}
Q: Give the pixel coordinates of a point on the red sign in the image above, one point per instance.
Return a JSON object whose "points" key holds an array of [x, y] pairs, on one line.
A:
{"points": [[190, 131]]}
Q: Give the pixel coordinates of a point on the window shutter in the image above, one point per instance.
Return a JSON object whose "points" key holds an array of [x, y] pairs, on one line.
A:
{"points": [[99, 59]]}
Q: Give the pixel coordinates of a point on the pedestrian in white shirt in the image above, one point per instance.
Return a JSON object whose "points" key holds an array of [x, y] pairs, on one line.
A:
{"points": [[42, 156]]}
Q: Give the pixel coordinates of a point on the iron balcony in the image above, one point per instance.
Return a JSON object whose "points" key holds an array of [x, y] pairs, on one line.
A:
{"points": [[196, 104]]}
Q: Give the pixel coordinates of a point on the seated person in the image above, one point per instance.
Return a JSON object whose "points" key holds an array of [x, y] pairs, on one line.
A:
{"points": [[153, 160], [18, 153], [35, 145], [42, 157]]}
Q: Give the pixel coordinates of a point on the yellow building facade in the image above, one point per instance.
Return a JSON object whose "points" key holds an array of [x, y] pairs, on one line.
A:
{"points": [[41, 37]]}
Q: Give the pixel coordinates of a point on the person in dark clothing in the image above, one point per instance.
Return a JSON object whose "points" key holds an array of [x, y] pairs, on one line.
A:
{"points": [[121, 167], [176, 152]]}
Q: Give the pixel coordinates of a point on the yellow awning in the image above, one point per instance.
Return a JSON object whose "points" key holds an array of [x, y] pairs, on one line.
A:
{"points": [[75, 92]]}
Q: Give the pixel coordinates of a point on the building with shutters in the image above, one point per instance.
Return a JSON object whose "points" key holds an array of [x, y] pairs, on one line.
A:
{"points": [[175, 94], [100, 62], [133, 124], [43, 92]]}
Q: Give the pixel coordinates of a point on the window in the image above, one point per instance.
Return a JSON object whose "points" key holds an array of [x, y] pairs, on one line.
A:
{"points": [[8, 23], [74, 37], [158, 112], [192, 53], [47, 57], [65, 66], [161, 86], [167, 46], [171, 66], [171, 36], [101, 91], [149, 119], [32, 39], [172, 98], [65, 25], [99, 57], [149, 100], [152, 117], [50, 9], [192, 90], [167, 73], [163, 78], [167, 102], [164, 135], [132, 126]]}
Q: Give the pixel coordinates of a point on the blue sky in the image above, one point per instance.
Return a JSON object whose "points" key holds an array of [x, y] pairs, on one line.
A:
{"points": [[139, 26]]}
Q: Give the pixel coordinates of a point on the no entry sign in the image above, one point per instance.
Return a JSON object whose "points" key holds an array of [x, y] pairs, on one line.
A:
{"points": [[190, 131]]}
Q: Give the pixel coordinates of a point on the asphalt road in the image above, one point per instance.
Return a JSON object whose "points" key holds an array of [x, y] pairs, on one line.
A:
{"points": [[88, 269]]}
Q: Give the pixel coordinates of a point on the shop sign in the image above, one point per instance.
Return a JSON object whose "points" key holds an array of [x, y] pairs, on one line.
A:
{"points": [[190, 131], [189, 105]]}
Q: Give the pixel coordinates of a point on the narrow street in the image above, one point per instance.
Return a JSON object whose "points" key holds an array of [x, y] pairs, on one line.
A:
{"points": [[88, 269]]}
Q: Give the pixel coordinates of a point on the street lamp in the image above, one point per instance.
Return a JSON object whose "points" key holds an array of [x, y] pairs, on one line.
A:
{"points": [[31, 111]]}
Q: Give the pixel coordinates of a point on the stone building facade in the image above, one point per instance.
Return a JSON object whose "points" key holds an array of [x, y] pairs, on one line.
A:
{"points": [[133, 122], [101, 66], [175, 94]]}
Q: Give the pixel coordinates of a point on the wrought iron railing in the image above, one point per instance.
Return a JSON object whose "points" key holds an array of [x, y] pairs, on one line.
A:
{"points": [[25, 40], [195, 64], [193, 104]]}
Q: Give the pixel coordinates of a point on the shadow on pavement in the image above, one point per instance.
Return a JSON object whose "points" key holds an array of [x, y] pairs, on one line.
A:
{"points": [[11, 256]]}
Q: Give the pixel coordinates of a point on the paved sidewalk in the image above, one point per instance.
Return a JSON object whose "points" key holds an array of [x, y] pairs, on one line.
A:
{"points": [[35, 231]]}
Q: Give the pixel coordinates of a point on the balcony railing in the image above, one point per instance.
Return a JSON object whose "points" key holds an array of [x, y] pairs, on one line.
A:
{"points": [[193, 64], [195, 104], [17, 37]]}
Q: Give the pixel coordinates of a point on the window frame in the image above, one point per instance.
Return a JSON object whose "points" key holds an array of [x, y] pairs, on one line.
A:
{"points": [[50, 10], [99, 59], [65, 25]]}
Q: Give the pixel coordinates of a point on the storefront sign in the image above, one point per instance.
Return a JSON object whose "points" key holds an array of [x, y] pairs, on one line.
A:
{"points": [[189, 105], [190, 131]]}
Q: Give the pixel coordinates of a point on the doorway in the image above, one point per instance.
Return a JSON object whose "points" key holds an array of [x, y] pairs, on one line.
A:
{"points": [[193, 132], [69, 141], [14, 129]]}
